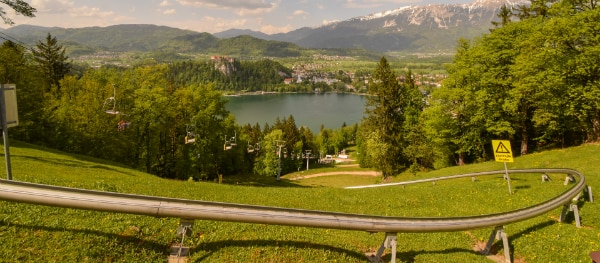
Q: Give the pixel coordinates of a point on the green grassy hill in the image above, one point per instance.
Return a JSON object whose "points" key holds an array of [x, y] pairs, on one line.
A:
{"points": [[32, 233]]}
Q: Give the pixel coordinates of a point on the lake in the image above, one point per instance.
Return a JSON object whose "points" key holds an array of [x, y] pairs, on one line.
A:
{"points": [[309, 110]]}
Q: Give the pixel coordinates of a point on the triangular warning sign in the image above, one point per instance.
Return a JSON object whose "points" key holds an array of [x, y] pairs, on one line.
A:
{"points": [[502, 149]]}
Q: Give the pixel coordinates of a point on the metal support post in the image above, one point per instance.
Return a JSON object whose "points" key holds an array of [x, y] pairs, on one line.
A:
{"points": [[498, 233], [390, 241], [307, 153], [568, 208], [545, 178], [507, 178], [588, 189], [569, 179], [185, 228], [280, 145]]}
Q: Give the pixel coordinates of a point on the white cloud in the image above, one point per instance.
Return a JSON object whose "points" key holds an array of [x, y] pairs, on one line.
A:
{"points": [[169, 12], [327, 22], [227, 4], [211, 24], [360, 4], [52, 6], [68, 7], [165, 3], [93, 12], [271, 29], [300, 13], [240, 7]]}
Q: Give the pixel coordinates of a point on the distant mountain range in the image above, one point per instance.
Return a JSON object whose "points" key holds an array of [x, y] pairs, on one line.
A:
{"points": [[412, 28], [426, 28]]}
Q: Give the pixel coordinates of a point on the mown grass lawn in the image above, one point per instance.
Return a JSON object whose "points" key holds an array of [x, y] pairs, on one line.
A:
{"points": [[32, 233]]}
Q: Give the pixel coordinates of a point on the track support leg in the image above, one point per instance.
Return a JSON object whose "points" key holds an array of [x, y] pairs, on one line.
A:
{"points": [[185, 228], [498, 233], [588, 189], [575, 209], [390, 241]]}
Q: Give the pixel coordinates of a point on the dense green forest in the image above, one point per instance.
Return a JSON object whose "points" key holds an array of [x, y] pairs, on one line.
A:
{"points": [[534, 80]]}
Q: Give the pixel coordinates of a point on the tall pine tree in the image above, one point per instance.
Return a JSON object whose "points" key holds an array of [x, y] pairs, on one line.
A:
{"points": [[386, 111], [52, 61]]}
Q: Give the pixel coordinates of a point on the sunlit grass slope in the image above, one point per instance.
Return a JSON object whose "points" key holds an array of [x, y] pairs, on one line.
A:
{"points": [[32, 233]]}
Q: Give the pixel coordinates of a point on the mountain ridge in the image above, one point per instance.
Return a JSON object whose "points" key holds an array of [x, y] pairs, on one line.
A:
{"points": [[415, 28]]}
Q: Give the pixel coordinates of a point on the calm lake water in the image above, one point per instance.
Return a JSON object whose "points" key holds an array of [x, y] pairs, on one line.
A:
{"points": [[309, 110]]}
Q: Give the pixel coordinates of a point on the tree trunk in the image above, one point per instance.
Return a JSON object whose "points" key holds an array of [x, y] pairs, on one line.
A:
{"points": [[525, 139], [524, 130], [461, 159], [596, 127]]}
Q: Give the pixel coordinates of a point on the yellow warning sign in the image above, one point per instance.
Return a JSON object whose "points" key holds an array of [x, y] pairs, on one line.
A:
{"points": [[502, 151]]}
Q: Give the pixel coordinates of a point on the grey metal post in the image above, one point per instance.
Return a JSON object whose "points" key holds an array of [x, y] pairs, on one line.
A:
{"points": [[5, 133], [498, 233], [507, 178], [280, 144], [307, 158], [279, 165]]}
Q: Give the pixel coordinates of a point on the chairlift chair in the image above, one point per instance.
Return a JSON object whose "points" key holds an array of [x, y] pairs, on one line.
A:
{"points": [[250, 148], [122, 125], [227, 145], [190, 136], [110, 105], [233, 141]]}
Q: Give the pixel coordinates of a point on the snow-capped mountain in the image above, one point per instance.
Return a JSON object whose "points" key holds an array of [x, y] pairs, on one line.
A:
{"points": [[414, 28]]}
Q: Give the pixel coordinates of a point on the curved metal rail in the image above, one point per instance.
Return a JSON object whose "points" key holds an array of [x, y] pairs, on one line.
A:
{"points": [[569, 172], [194, 209]]}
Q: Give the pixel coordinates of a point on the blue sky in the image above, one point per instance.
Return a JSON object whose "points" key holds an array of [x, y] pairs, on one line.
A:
{"points": [[268, 16]]}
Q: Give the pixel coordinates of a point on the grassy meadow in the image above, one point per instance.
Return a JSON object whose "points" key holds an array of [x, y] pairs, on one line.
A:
{"points": [[33, 233]]}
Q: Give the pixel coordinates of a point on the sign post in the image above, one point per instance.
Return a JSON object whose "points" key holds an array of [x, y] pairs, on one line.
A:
{"points": [[503, 153], [9, 118]]}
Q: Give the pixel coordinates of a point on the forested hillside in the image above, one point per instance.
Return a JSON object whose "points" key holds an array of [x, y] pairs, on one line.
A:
{"points": [[535, 82], [165, 43]]}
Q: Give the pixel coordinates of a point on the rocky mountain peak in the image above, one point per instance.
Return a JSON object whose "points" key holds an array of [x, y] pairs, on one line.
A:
{"points": [[499, 3]]}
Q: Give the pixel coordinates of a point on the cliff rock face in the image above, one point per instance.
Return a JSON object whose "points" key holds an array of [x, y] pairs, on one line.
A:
{"points": [[224, 64]]}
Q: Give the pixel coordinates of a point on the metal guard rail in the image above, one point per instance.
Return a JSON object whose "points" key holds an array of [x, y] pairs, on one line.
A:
{"points": [[194, 209]]}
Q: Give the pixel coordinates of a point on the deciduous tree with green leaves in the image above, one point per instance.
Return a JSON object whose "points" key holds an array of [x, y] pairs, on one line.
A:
{"points": [[267, 163]]}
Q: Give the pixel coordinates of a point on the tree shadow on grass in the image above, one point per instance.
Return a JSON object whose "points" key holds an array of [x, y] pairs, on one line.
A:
{"points": [[81, 160], [72, 163], [511, 237], [411, 255], [213, 247], [126, 240], [265, 181]]}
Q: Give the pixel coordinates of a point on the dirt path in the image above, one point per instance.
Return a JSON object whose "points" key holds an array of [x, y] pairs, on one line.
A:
{"points": [[368, 173]]}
